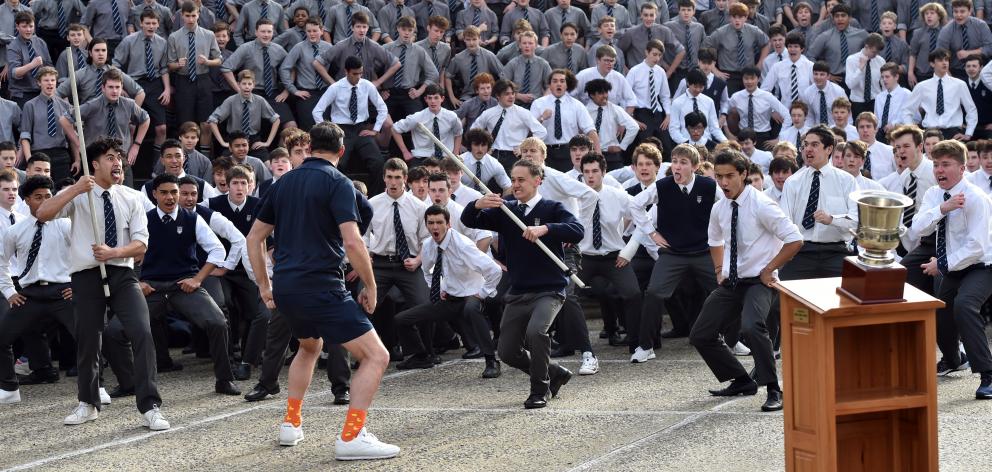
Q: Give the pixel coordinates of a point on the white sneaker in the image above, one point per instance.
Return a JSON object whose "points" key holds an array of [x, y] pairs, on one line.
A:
{"points": [[590, 365], [82, 414], [364, 446], [104, 396], [290, 435], [153, 420], [640, 355], [741, 350], [21, 366], [7, 398]]}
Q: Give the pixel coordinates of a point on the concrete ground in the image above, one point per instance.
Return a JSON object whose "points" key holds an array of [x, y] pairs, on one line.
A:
{"points": [[654, 416]]}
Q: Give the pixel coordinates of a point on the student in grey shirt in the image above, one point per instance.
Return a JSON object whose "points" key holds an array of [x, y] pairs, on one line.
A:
{"points": [[206, 19], [477, 14], [529, 71], [634, 8], [378, 65], [634, 41], [245, 28], [38, 134], [263, 57], [482, 101], [523, 11], [132, 56], [193, 83], [308, 85], [7, 26], [691, 34], [50, 27], [561, 56], [609, 8], [79, 52], [565, 13], [108, 19], [340, 25], [716, 17], [232, 111], [836, 44], [439, 51], [415, 72], [953, 37], [165, 25], [296, 33], [468, 64], [89, 78], [424, 10], [9, 109], [866, 12], [389, 15], [25, 55], [112, 114]]}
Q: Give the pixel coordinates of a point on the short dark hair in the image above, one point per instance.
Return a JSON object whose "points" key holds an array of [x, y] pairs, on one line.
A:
{"points": [[23, 17], [580, 140], [593, 157], [821, 66], [840, 8], [695, 77], [437, 210], [939, 53], [534, 169], [752, 71], [170, 143], [237, 135], [352, 63], [747, 134], [795, 37], [112, 75], [7, 146], [706, 55], [264, 21], [782, 164], [433, 89], [189, 7], [102, 145], [695, 118], [732, 157], [438, 177], [503, 86], [39, 157], [35, 182], [149, 14], [164, 178], [395, 164], [595, 86], [776, 30], [826, 136], [188, 180], [326, 137], [570, 81], [478, 136]]}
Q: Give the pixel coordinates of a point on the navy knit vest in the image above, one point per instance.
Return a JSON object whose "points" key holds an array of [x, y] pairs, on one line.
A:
{"points": [[683, 220], [171, 253], [243, 221], [199, 189], [715, 91]]}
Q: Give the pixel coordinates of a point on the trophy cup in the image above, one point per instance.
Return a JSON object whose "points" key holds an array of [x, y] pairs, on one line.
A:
{"points": [[873, 276]]}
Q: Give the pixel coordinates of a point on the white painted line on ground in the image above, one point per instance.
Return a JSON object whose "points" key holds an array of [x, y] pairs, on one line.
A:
{"points": [[204, 421], [548, 410]]}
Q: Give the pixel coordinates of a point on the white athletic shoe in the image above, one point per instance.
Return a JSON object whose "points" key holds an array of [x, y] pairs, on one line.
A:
{"points": [[7, 398], [104, 396], [640, 355], [21, 366], [290, 435], [153, 420], [741, 350], [82, 414], [590, 365], [365, 446]]}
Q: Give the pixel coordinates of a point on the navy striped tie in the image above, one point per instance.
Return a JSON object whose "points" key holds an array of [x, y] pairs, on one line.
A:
{"points": [[80, 58], [270, 86], [191, 56], [265, 9], [398, 81], [942, 241], [353, 105], [149, 59], [111, 120], [525, 86], [33, 53], [52, 121], [319, 83], [115, 11], [246, 118], [740, 50], [63, 21], [109, 221], [35, 247], [812, 202]]}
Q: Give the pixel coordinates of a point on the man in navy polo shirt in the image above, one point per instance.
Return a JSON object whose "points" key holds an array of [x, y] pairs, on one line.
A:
{"points": [[313, 213]]}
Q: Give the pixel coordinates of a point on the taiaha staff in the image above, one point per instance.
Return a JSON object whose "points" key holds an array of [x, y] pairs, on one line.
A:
{"points": [[509, 213], [85, 162]]}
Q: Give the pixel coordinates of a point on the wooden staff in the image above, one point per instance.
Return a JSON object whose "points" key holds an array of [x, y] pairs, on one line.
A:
{"points": [[509, 213], [85, 161]]}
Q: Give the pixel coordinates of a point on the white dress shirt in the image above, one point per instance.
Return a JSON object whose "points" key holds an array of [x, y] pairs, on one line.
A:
{"points": [[225, 229], [491, 170], [682, 106], [52, 262], [724, 97], [448, 123], [791, 134], [855, 76], [764, 105], [576, 196], [773, 193], [811, 96], [464, 194], [205, 238], [467, 271], [864, 183], [896, 106], [337, 97], [621, 92], [608, 180], [639, 78], [517, 124], [762, 158], [969, 236], [780, 75], [575, 120], [614, 207], [980, 179], [411, 217], [835, 188], [5, 224], [455, 210], [762, 229], [615, 120], [129, 214], [882, 161], [956, 97]]}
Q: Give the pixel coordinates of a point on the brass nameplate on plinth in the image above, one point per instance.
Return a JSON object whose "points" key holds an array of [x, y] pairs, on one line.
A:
{"points": [[870, 285]]}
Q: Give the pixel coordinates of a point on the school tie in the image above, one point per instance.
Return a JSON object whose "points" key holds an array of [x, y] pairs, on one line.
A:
{"points": [[437, 132], [525, 86], [564, 16], [940, 96], [914, 13], [875, 17], [246, 118], [868, 84], [473, 68], [353, 105], [685, 190], [750, 111], [568, 58], [399, 14], [558, 130], [695, 105], [349, 12], [526, 14], [910, 211], [62, 19], [398, 81], [111, 120], [688, 43], [867, 165], [885, 114], [33, 53], [115, 12], [823, 108], [609, 11], [454, 6], [942, 241], [50, 115], [265, 9], [220, 11], [434, 55], [166, 219], [844, 51], [191, 56], [812, 202], [965, 43], [476, 17], [740, 50], [478, 175], [80, 58], [109, 221], [322, 11], [35, 247], [402, 250], [597, 229], [653, 93], [436, 276], [319, 82], [430, 8], [732, 273], [599, 118], [799, 155], [499, 123], [523, 209], [933, 39], [12, 221], [887, 52], [149, 60], [270, 86], [795, 84]]}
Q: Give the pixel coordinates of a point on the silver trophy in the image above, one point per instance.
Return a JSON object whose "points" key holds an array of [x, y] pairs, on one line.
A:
{"points": [[879, 225]]}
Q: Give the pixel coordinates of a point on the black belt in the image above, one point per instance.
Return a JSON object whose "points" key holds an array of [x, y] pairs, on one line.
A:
{"points": [[966, 270], [836, 243], [611, 255], [388, 259], [556, 146]]}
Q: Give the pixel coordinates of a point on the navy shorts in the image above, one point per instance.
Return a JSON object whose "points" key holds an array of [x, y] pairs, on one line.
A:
{"points": [[332, 315]]}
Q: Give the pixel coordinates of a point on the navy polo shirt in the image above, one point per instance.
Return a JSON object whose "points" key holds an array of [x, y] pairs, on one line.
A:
{"points": [[306, 206]]}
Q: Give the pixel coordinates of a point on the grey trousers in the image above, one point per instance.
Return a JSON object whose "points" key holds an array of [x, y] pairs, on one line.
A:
{"points": [[43, 307], [526, 320], [749, 302], [466, 311], [964, 293], [410, 284], [573, 332], [668, 272], [622, 280], [243, 292], [277, 338], [127, 304]]}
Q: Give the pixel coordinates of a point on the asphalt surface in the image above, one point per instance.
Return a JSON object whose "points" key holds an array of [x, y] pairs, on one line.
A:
{"points": [[653, 416]]}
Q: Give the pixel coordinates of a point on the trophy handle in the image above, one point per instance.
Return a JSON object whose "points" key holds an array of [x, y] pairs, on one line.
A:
{"points": [[902, 230]]}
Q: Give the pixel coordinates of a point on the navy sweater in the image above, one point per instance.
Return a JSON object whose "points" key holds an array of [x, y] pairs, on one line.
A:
{"points": [[530, 270], [684, 220]]}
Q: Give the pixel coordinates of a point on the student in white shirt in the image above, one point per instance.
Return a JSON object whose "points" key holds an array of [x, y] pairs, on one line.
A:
{"points": [[916, 179], [958, 212], [564, 117], [792, 75], [945, 101], [854, 164], [443, 123], [793, 134], [756, 108], [459, 277], [982, 178], [578, 148], [878, 156], [889, 103], [821, 95], [653, 98], [780, 169], [485, 167], [864, 69], [459, 193], [841, 111], [621, 92], [439, 189], [609, 120], [749, 146], [508, 124], [695, 101], [750, 238]]}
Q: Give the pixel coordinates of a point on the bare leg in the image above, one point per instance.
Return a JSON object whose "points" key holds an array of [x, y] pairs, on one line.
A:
{"points": [[373, 360], [301, 370]]}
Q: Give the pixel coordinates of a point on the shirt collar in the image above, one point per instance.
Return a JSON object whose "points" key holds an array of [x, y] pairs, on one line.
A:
{"points": [[173, 214], [688, 186], [236, 207], [446, 242], [745, 195], [533, 201]]}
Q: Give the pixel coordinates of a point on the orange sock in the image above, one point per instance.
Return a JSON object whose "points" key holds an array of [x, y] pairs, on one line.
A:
{"points": [[293, 411], [353, 424]]}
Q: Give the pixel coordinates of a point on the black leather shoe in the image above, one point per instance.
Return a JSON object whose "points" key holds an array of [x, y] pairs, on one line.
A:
{"points": [[735, 388], [72, 372], [242, 371], [475, 353], [536, 400], [416, 362], [617, 340], [984, 391], [562, 352], [451, 345], [774, 401], [226, 387], [41, 376], [436, 359], [260, 393], [395, 354], [342, 398], [603, 334], [674, 334], [493, 369], [561, 377], [169, 366], [120, 392]]}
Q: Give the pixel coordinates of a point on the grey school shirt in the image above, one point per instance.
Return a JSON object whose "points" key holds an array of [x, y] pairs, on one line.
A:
{"points": [[88, 83], [416, 68], [97, 119], [130, 56], [34, 122]]}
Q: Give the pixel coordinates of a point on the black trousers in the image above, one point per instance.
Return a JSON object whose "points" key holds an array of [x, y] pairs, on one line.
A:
{"points": [[524, 342], [652, 120], [964, 292], [571, 328], [401, 105], [599, 272], [506, 158], [61, 162], [411, 286], [304, 109], [918, 256], [669, 271], [748, 304], [194, 100], [127, 304], [559, 157], [44, 307], [278, 337], [56, 42], [414, 330], [858, 107], [243, 293], [614, 160], [361, 152]]}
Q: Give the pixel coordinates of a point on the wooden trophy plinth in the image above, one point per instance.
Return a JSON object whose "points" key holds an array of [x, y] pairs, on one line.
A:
{"points": [[870, 285]]}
